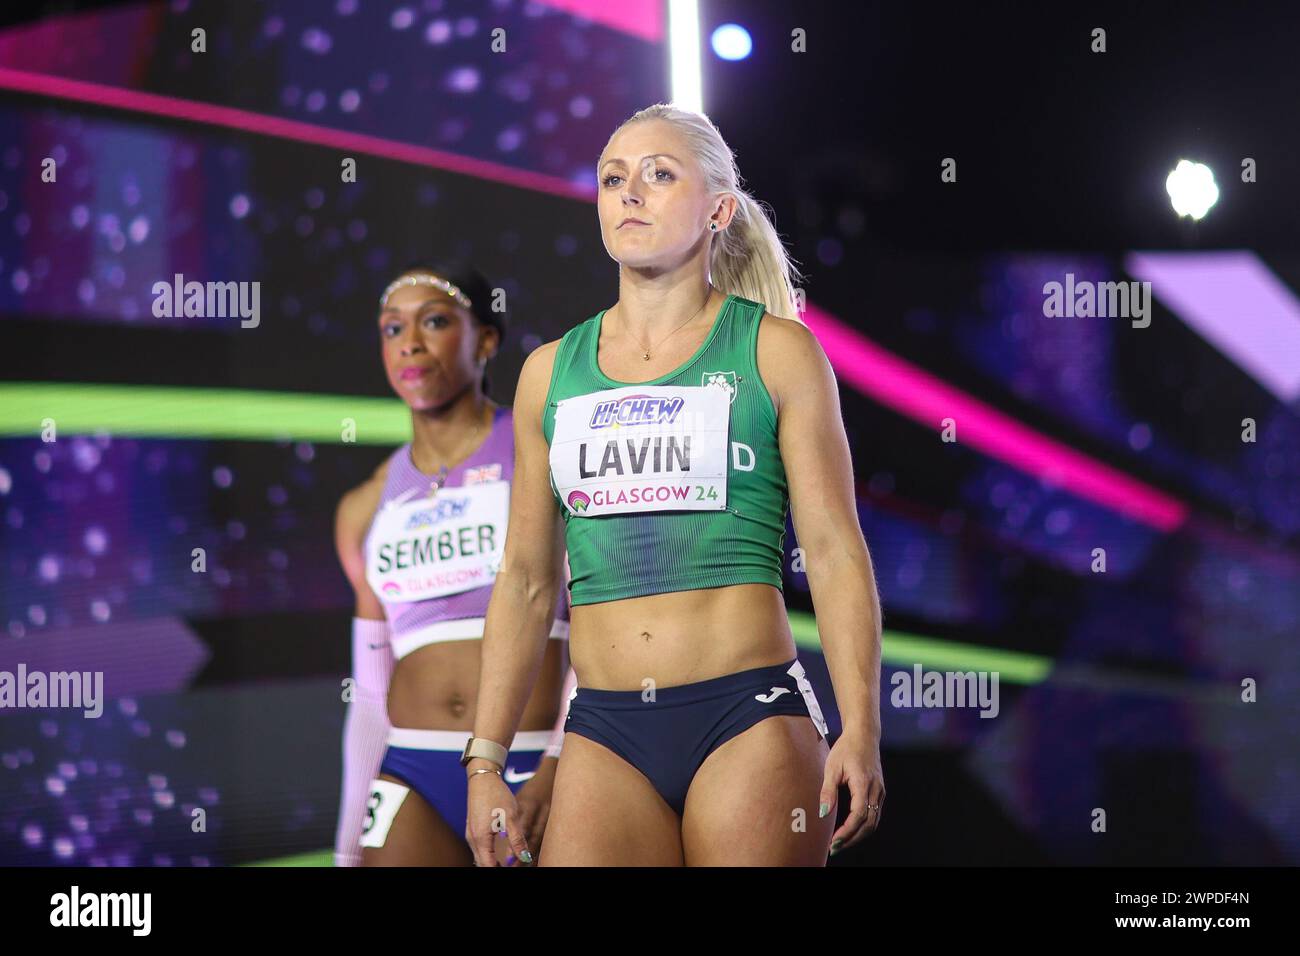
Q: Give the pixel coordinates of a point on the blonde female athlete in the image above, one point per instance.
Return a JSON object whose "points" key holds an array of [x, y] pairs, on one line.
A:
{"points": [[420, 542], [662, 440]]}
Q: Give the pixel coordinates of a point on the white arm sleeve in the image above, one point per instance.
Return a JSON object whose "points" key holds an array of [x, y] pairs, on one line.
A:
{"points": [[365, 733]]}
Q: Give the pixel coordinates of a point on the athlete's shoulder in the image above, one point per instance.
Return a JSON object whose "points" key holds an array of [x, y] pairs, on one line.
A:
{"points": [[771, 327], [539, 367], [540, 363], [357, 506], [790, 332], [545, 352], [356, 509], [789, 356]]}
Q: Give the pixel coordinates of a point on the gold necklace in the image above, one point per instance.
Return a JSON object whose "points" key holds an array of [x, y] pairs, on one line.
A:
{"points": [[441, 477], [708, 295]]}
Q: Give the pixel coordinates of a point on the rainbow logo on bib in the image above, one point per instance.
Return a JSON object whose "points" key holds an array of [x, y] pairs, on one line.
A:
{"points": [[578, 500]]}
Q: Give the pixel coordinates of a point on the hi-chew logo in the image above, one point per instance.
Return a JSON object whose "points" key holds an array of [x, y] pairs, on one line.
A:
{"points": [[636, 410], [441, 510], [578, 500]]}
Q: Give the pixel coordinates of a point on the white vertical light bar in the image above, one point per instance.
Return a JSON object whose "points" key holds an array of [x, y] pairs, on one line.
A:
{"points": [[684, 53]]}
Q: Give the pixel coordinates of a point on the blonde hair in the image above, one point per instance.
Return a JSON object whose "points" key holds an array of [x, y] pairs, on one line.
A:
{"points": [[747, 258]]}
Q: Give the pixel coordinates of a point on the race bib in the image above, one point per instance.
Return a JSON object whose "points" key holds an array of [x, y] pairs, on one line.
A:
{"points": [[431, 547], [381, 809], [642, 448]]}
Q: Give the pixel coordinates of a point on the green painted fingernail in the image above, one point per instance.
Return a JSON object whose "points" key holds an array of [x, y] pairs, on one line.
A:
{"points": [[825, 809], [835, 847], [526, 856]]}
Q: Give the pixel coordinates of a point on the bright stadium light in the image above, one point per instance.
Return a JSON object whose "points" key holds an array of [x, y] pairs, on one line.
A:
{"points": [[684, 50], [1191, 189], [732, 42]]}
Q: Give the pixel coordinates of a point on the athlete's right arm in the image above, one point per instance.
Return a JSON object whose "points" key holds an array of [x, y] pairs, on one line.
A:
{"points": [[365, 728], [520, 610]]}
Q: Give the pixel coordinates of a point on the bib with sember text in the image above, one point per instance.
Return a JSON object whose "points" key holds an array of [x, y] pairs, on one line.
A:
{"points": [[432, 547], [642, 448]]}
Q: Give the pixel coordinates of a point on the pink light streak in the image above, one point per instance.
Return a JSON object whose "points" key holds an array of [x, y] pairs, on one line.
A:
{"points": [[639, 18], [245, 121], [911, 391]]}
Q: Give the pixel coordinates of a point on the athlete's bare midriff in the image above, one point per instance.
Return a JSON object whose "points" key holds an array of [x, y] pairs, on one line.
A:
{"points": [[679, 638], [436, 688]]}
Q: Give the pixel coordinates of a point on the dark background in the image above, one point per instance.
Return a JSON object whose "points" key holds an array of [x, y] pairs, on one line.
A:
{"points": [[1061, 155]]}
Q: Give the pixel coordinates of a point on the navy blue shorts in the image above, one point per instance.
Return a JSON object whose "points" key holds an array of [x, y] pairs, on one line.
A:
{"points": [[667, 739], [428, 762]]}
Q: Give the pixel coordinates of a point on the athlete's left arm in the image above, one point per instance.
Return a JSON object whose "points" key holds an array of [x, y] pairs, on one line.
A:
{"points": [[534, 797], [819, 472]]}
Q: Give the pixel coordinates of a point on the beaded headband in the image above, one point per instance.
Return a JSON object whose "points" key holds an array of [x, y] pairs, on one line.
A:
{"points": [[425, 278]]}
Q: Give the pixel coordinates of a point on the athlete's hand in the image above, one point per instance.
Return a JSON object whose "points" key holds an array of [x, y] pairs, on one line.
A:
{"points": [[534, 802], [855, 762], [490, 809]]}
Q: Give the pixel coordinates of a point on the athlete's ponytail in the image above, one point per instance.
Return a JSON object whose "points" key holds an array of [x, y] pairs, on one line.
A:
{"points": [[747, 258]]}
